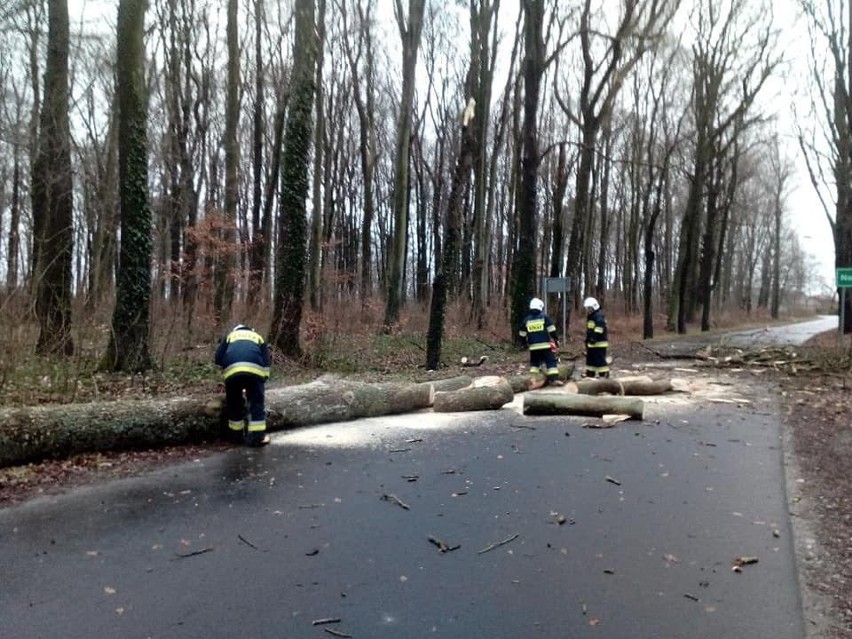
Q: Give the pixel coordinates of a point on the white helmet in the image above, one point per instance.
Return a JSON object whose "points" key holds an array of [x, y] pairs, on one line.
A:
{"points": [[536, 304], [591, 303]]}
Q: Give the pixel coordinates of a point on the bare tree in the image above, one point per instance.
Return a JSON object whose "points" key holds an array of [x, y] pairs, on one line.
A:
{"points": [[831, 40], [225, 274], [639, 27], [52, 195], [410, 29], [734, 42]]}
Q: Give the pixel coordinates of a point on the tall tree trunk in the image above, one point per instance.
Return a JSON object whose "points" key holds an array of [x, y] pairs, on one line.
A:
{"points": [[225, 275], [410, 34], [482, 20], [523, 262], [256, 246], [448, 269], [315, 253], [14, 226], [128, 348], [291, 262], [52, 194]]}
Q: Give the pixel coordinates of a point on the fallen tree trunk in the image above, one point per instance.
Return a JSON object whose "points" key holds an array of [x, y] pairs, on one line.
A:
{"points": [[623, 387], [39, 432], [565, 404], [486, 393], [529, 381]]}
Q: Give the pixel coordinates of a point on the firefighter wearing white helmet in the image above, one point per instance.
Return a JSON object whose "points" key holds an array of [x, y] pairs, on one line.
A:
{"points": [[244, 358], [539, 331], [597, 340]]}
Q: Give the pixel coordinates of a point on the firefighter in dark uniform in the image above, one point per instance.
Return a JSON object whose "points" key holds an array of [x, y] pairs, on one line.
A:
{"points": [[244, 358], [540, 333], [597, 340]]}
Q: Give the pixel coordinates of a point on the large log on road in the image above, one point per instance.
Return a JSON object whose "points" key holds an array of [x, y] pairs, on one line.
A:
{"points": [[39, 432], [567, 404], [486, 393]]}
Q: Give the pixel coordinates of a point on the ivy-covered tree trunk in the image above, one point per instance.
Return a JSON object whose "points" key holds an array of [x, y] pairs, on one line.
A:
{"points": [[128, 348], [291, 260], [52, 195]]}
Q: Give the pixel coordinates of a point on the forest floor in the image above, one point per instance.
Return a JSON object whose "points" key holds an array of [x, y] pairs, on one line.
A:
{"points": [[813, 384]]}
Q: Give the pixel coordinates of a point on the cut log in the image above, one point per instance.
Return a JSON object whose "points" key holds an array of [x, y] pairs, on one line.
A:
{"points": [[523, 383], [566, 404], [40, 432], [450, 383], [486, 393], [623, 387]]}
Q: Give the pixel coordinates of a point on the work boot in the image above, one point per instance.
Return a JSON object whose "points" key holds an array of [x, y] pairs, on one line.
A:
{"points": [[259, 442]]}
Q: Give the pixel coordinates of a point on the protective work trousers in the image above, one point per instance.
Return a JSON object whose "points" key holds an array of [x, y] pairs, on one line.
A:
{"points": [[596, 362], [544, 358], [241, 390]]}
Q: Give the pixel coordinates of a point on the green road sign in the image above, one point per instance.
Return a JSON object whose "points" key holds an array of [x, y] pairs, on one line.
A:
{"points": [[844, 277]]}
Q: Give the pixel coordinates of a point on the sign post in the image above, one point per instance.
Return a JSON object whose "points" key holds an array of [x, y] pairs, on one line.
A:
{"points": [[562, 285], [844, 281]]}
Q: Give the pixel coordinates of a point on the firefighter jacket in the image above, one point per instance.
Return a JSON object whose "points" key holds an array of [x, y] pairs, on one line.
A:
{"points": [[243, 351], [539, 330], [596, 333]]}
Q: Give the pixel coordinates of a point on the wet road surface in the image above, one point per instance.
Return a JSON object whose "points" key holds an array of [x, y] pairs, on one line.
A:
{"points": [[265, 543]]}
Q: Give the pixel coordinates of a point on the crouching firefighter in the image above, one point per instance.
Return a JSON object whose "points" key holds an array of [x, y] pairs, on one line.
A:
{"points": [[244, 358], [540, 333]]}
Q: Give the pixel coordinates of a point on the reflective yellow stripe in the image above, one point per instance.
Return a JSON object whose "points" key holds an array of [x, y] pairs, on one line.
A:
{"points": [[250, 336], [598, 345], [535, 370], [257, 427], [246, 367], [235, 425], [540, 347], [590, 324], [535, 325], [598, 369], [598, 329]]}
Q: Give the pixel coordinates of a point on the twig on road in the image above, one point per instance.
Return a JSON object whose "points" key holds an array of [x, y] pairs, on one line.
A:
{"points": [[498, 544], [395, 500], [193, 553]]}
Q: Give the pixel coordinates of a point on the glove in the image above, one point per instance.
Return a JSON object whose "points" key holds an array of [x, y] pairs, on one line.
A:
{"points": [[554, 346]]}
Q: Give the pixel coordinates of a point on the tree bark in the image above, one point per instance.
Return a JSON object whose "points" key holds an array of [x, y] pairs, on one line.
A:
{"points": [[290, 276], [41, 432], [486, 393], [52, 195], [410, 34], [626, 387], [564, 404], [128, 348]]}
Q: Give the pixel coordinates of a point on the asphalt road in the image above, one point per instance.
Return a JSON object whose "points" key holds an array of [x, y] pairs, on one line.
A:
{"points": [[264, 543]]}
